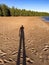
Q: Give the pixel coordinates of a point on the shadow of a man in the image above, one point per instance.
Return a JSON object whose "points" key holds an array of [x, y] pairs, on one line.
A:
{"points": [[21, 46]]}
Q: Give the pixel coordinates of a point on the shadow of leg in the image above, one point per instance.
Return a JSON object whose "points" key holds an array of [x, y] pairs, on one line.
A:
{"points": [[24, 54], [19, 51]]}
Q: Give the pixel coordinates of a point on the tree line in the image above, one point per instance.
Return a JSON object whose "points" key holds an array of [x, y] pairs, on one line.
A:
{"points": [[7, 11]]}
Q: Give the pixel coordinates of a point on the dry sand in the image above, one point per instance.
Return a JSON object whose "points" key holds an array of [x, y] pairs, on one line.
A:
{"points": [[36, 40]]}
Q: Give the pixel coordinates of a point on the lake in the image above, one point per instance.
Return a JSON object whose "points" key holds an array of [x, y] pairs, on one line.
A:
{"points": [[46, 18]]}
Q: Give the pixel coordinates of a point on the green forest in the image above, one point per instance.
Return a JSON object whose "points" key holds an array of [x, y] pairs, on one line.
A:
{"points": [[7, 11]]}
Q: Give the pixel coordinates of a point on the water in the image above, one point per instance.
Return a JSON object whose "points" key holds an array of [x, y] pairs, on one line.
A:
{"points": [[46, 18]]}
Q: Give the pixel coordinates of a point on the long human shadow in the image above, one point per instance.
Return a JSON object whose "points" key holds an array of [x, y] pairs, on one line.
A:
{"points": [[21, 46]]}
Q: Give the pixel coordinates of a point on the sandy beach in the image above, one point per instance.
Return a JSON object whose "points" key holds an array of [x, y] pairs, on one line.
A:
{"points": [[36, 40]]}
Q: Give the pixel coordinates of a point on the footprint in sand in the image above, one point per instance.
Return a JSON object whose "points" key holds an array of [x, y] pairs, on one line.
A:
{"points": [[1, 62], [29, 60], [2, 53], [15, 52]]}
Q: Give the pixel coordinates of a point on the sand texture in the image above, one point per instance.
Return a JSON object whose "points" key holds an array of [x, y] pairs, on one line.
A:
{"points": [[36, 41]]}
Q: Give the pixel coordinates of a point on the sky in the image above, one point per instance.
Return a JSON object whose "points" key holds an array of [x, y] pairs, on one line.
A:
{"points": [[35, 5]]}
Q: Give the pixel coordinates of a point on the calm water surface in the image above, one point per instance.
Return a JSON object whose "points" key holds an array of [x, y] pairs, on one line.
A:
{"points": [[46, 18]]}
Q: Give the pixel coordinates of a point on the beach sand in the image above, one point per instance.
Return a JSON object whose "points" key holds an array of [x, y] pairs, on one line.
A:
{"points": [[36, 40]]}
